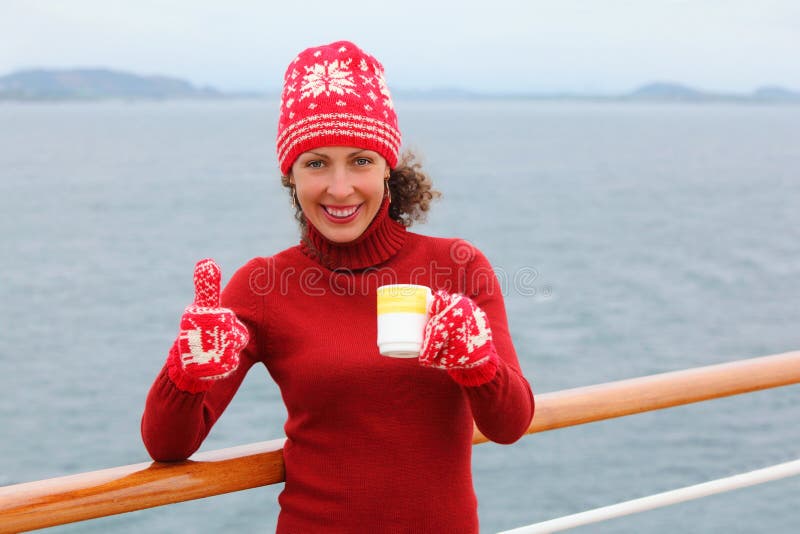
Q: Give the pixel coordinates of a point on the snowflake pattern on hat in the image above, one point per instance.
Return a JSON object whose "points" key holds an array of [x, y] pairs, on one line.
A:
{"points": [[333, 77], [336, 95]]}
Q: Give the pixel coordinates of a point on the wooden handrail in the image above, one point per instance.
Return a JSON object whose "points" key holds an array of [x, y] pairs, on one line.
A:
{"points": [[58, 501], [588, 404]]}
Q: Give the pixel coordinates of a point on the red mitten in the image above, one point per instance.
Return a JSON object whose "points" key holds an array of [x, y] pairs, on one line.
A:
{"points": [[210, 337], [458, 339]]}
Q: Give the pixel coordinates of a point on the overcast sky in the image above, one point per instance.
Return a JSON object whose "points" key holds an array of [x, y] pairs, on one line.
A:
{"points": [[602, 46]]}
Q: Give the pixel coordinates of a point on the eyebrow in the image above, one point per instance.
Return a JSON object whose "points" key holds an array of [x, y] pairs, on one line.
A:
{"points": [[350, 155]]}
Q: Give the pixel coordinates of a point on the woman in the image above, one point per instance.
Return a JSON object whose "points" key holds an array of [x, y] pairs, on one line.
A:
{"points": [[374, 443]]}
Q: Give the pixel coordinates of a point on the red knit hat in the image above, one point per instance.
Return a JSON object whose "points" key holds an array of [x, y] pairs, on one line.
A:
{"points": [[335, 95]]}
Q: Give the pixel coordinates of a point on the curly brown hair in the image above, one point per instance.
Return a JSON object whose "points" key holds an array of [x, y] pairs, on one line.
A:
{"points": [[411, 189]]}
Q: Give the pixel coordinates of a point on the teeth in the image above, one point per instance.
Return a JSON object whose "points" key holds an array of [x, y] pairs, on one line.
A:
{"points": [[346, 212]]}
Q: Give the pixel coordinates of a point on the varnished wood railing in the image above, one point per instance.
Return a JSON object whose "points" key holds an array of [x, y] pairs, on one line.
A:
{"points": [[57, 501]]}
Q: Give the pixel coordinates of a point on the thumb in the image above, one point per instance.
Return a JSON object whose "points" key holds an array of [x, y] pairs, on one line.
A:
{"points": [[207, 276], [441, 299]]}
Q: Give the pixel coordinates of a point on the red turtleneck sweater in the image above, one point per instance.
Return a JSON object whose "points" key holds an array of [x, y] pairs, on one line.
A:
{"points": [[374, 444]]}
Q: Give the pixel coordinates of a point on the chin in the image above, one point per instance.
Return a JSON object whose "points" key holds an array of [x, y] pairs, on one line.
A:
{"points": [[342, 237]]}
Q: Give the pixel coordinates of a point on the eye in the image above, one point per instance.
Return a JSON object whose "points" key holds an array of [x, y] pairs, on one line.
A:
{"points": [[362, 161], [314, 164]]}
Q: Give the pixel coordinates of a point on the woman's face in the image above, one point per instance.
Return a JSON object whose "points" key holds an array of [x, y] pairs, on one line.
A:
{"points": [[340, 189]]}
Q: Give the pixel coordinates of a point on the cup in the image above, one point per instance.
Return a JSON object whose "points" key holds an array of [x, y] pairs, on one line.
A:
{"points": [[402, 314]]}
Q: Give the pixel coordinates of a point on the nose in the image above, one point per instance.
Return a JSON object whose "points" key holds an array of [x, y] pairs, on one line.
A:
{"points": [[340, 186]]}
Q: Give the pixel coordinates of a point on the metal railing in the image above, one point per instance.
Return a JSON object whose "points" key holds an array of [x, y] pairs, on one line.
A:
{"points": [[667, 498], [62, 500]]}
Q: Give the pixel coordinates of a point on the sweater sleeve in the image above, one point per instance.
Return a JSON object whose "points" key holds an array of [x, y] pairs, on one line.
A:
{"points": [[175, 422], [502, 407]]}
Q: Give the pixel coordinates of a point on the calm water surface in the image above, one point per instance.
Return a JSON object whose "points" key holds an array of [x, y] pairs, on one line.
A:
{"points": [[631, 239]]}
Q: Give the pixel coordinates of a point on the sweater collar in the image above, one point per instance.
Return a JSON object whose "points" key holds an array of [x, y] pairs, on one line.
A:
{"points": [[379, 242]]}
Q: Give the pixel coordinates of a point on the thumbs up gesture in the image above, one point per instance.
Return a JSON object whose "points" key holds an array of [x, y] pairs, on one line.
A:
{"points": [[210, 337]]}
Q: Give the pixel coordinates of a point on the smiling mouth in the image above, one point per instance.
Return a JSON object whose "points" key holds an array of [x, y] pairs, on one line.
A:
{"points": [[341, 213]]}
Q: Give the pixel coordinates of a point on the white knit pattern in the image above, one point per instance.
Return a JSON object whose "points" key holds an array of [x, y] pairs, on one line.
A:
{"points": [[330, 124]]}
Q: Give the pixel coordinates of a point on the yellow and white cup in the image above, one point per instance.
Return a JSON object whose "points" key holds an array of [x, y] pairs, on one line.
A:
{"points": [[402, 314]]}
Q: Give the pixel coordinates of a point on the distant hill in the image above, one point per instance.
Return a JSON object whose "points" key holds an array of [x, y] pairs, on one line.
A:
{"points": [[776, 94], [44, 84], [668, 91]]}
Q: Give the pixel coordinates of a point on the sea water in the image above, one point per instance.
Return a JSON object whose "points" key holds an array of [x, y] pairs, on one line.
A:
{"points": [[630, 239]]}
